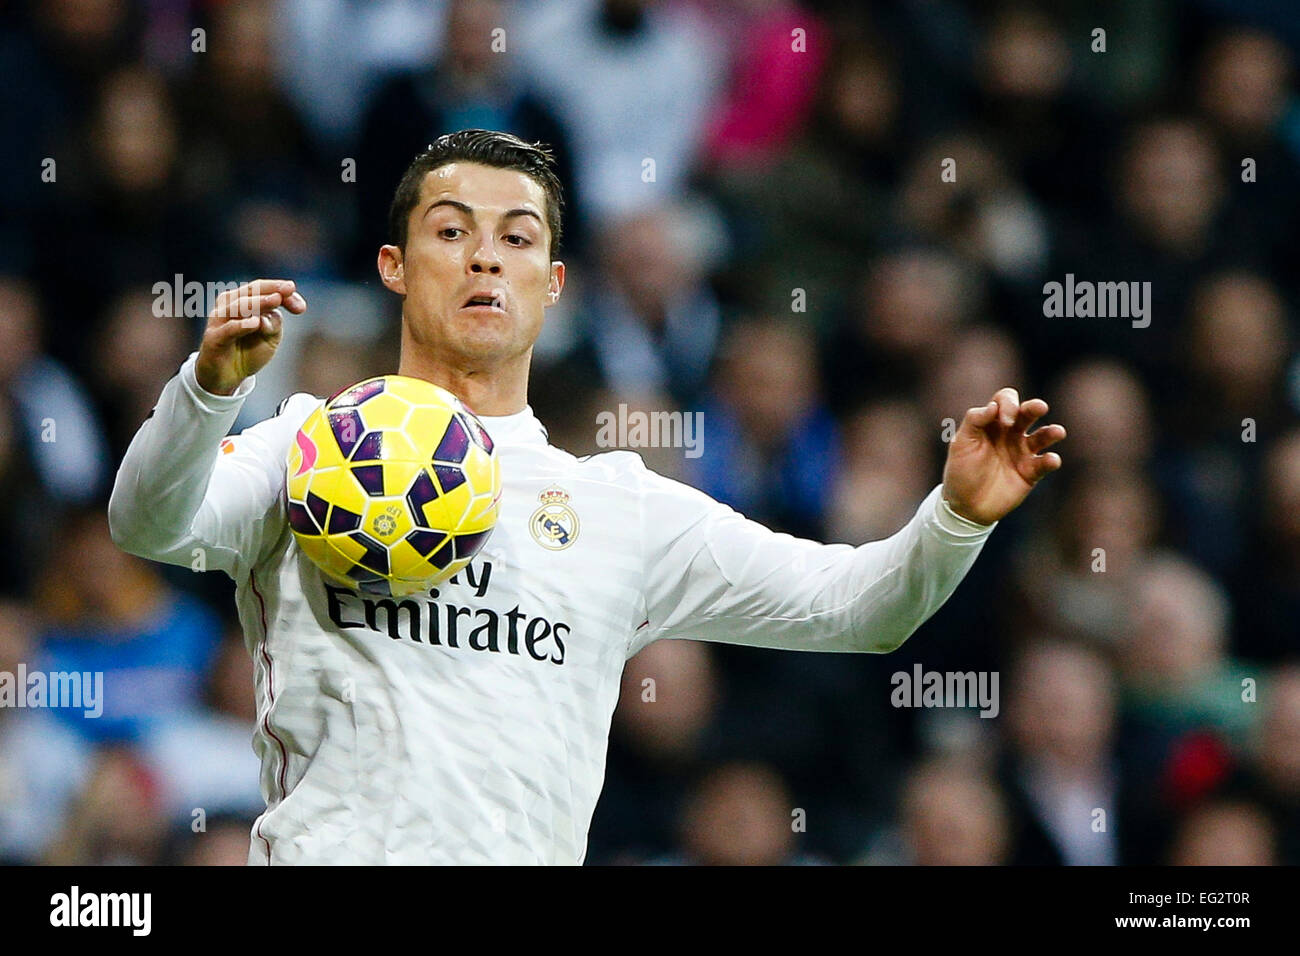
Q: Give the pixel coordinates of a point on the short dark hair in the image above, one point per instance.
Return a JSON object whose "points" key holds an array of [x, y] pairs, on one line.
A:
{"points": [[490, 148]]}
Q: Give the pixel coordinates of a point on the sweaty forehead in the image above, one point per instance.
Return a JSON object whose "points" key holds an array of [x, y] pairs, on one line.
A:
{"points": [[483, 187]]}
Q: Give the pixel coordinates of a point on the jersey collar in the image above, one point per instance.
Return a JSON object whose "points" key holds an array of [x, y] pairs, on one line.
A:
{"points": [[521, 428]]}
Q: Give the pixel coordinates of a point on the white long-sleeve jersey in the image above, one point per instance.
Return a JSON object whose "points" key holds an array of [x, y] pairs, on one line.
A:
{"points": [[470, 725]]}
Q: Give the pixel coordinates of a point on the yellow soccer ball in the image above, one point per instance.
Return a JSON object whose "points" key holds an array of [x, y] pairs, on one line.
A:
{"points": [[393, 486]]}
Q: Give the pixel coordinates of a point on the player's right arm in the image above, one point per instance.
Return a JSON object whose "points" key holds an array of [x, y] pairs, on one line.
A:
{"points": [[179, 493]]}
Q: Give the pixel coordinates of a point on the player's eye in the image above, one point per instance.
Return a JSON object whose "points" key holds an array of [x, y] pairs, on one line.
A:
{"points": [[444, 232], [517, 240]]}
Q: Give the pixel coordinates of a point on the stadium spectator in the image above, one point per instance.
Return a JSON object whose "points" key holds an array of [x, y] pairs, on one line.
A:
{"points": [[1245, 90], [1225, 833], [201, 756], [1187, 710], [663, 737], [83, 43], [1274, 759], [777, 51], [472, 85], [740, 815], [773, 450], [958, 193], [649, 321], [1236, 349], [888, 465], [108, 613], [1111, 410], [129, 199], [636, 86], [1170, 222], [42, 764], [249, 156], [55, 425], [1060, 772], [909, 300], [338, 51], [1267, 584], [116, 820], [950, 814], [141, 350], [1030, 99], [1174, 659], [976, 356], [1074, 576], [835, 179]]}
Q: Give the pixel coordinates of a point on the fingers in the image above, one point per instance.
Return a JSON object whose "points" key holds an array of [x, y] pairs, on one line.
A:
{"points": [[1016, 415], [246, 305], [272, 322], [1008, 400], [982, 417], [258, 298], [1028, 413], [231, 329], [1045, 437], [1002, 409], [1043, 466]]}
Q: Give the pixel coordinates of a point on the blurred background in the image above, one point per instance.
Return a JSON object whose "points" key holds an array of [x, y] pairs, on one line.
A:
{"points": [[792, 265]]}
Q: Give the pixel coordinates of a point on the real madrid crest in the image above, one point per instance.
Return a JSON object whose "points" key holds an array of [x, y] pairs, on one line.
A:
{"points": [[554, 525]]}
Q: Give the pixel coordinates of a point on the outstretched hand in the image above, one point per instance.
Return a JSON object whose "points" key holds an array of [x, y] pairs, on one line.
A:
{"points": [[994, 461], [243, 332]]}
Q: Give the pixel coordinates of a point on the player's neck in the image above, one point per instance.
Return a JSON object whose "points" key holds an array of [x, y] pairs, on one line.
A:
{"points": [[502, 390]]}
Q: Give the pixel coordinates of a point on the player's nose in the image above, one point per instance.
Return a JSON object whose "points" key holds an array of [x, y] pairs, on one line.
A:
{"points": [[485, 259]]}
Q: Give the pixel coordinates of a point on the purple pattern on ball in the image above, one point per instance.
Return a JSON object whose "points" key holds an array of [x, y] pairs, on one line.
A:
{"points": [[454, 443], [347, 429], [342, 521], [300, 519], [371, 478], [420, 494], [425, 541], [449, 476], [445, 556], [376, 556], [468, 545], [371, 448], [354, 396], [318, 507]]}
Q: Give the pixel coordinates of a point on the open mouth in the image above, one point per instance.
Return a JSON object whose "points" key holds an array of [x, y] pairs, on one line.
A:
{"points": [[483, 301]]}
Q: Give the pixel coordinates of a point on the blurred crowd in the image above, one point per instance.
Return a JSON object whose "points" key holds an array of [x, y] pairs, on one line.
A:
{"points": [[759, 227]]}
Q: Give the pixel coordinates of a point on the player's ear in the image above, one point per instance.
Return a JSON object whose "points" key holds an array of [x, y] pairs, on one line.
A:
{"points": [[556, 284], [390, 269]]}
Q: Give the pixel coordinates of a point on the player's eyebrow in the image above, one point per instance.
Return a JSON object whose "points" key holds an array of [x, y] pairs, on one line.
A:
{"points": [[454, 203], [512, 213], [469, 210]]}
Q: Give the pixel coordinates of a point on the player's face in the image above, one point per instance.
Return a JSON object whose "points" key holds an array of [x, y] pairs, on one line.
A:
{"points": [[477, 272]]}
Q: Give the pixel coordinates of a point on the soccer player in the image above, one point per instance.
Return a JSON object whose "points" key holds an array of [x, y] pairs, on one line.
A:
{"points": [[471, 725]]}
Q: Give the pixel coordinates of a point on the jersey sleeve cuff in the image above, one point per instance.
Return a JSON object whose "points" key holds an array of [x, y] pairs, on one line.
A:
{"points": [[209, 402], [954, 523]]}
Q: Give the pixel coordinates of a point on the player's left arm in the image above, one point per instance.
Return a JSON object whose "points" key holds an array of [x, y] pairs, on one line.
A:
{"points": [[711, 574]]}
